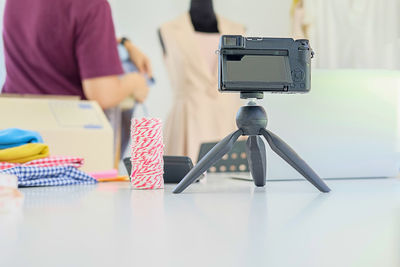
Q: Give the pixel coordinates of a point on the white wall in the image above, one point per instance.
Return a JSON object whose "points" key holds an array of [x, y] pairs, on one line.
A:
{"points": [[139, 21]]}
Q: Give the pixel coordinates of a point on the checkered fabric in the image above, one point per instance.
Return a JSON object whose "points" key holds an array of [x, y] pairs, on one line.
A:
{"points": [[49, 176], [47, 162]]}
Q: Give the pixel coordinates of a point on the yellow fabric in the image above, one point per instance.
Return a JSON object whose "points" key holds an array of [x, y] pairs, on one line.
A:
{"points": [[24, 153]]}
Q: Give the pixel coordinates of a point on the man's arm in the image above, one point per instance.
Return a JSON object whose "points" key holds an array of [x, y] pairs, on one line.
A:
{"points": [[98, 61], [109, 91]]}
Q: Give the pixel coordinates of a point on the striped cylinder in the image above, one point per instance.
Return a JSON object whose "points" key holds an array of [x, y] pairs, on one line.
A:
{"points": [[147, 151]]}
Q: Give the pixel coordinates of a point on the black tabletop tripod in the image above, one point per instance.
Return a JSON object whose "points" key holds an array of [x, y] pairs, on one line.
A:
{"points": [[251, 121]]}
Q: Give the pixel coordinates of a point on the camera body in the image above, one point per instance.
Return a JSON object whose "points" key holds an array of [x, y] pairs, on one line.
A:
{"points": [[253, 64]]}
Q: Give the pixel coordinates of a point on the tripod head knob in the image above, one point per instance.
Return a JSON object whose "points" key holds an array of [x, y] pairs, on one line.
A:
{"points": [[251, 118]]}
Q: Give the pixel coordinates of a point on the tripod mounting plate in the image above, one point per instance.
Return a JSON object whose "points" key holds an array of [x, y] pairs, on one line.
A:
{"points": [[249, 95]]}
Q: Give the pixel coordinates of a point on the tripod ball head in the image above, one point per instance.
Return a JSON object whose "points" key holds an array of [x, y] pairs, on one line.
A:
{"points": [[251, 118]]}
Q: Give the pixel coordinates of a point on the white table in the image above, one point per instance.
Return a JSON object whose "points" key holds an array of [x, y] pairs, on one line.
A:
{"points": [[221, 222]]}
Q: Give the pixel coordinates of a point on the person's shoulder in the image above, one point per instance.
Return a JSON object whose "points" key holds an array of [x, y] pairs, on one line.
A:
{"points": [[82, 9], [87, 2], [84, 5]]}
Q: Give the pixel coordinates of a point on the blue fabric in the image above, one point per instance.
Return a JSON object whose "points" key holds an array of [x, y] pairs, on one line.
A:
{"points": [[13, 137], [49, 176]]}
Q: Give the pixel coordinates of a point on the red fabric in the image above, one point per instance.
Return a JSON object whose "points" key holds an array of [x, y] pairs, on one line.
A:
{"points": [[47, 162]]}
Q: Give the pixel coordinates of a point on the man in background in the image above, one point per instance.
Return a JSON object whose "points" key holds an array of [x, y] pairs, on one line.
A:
{"points": [[68, 47]]}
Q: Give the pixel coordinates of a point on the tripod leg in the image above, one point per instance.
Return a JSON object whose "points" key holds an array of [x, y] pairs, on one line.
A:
{"points": [[215, 154], [294, 160], [257, 158]]}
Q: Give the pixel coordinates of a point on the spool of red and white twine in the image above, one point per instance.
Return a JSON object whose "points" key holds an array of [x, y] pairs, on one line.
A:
{"points": [[147, 151]]}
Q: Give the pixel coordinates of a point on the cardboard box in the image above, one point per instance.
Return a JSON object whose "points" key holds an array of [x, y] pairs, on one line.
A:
{"points": [[69, 127]]}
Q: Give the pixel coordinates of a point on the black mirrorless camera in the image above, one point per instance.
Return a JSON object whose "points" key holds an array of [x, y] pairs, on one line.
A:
{"points": [[253, 64]]}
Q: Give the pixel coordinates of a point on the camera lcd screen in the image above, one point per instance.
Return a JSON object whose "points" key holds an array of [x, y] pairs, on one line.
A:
{"points": [[257, 68]]}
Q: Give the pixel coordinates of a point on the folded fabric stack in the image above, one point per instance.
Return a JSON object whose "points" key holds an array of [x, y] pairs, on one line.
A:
{"points": [[23, 154]]}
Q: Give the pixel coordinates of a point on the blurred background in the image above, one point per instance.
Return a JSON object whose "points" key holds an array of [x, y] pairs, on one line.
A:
{"points": [[140, 21]]}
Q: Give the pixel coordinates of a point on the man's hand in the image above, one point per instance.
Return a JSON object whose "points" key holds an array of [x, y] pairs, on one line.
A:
{"points": [[141, 90], [139, 59]]}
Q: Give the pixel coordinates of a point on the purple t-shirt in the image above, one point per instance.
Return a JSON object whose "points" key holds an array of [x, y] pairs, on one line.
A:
{"points": [[52, 45]]}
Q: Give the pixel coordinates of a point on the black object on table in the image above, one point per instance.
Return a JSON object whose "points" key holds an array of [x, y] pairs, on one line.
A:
{"points": [[175, 168]]}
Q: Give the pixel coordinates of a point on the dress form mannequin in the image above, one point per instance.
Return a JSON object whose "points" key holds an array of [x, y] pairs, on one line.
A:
{"points": [[199, 112]]}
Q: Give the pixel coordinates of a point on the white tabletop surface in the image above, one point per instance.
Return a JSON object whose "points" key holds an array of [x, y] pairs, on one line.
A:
{"points": [[221, 222]]}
